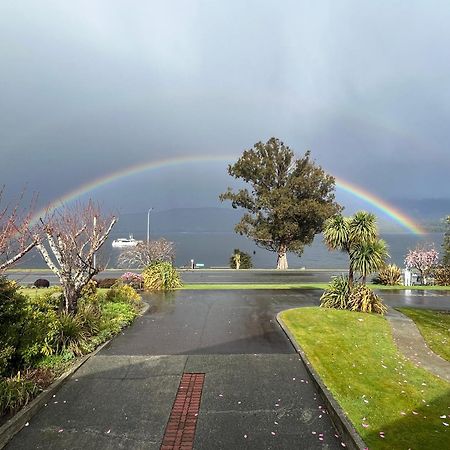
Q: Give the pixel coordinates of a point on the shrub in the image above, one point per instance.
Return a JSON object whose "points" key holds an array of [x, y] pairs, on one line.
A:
{"points": [[389, 275], [115, 316], [337, 293], [106, 283], [245, 260], [161, 276], [90, 289], [442, 275], [123, 293], [364, 299], [16, 392], [133, 279], [90, 316], [359, 297], [72, 335], [13, 318]]}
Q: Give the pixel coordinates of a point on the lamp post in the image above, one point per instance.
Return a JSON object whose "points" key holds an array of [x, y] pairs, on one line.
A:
{"points": [[148, 225]]}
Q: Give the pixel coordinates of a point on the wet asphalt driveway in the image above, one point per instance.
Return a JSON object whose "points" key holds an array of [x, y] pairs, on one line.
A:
{"points": [[257, 393]]}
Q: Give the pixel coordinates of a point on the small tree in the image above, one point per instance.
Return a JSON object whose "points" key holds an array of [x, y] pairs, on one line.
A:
{"points": [[288, 200], [422, 259], [145, 253], [68, 242], [358, 236], [240, 260], [446, 243], [16, 238]]}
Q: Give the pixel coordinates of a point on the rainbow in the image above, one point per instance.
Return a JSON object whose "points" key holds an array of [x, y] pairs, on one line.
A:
{"points": [[383, 206], [380, 204]]}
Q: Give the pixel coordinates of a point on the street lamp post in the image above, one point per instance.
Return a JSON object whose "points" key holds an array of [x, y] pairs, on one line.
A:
{"points": [[148, 225]]}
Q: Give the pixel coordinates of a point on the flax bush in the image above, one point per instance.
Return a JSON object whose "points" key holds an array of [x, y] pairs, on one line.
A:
{"points": [[358, 297], [161, 276], [389, 275]]}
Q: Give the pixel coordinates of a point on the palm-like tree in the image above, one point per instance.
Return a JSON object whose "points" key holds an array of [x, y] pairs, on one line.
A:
{"points": [[357, 236], [368, 257]]}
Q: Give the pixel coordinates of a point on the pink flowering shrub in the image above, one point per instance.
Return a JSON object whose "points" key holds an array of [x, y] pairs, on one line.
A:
{"points": [[422, 259], [133, 279]]}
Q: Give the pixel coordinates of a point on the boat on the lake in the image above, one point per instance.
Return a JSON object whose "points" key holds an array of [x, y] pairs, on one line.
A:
{"points": [[125, 242]]}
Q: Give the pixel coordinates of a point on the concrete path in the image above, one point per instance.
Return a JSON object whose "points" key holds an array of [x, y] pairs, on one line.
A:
{"points": [[411, 343], [256, 395]]}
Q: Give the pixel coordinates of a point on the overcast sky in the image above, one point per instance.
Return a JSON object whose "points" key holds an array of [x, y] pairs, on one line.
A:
{"points": [[90, 87]]}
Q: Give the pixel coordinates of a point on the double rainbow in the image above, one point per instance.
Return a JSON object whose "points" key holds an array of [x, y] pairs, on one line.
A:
{"points": [[394, 213]]}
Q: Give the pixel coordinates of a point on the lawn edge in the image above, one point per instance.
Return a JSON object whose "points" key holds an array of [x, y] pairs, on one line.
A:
{"points": [[11, 427], [348, 433]]}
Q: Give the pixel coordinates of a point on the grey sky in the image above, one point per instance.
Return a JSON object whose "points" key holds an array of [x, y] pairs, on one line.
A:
{"points": [[88, 87]]}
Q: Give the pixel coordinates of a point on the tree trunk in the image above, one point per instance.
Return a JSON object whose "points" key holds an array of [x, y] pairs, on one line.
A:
{"points": [[238, 265], [350, 276], [71, 296], [282, 263]]}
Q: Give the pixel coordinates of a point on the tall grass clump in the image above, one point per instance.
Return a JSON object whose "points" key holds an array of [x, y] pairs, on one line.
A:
{"points": [[161, 276]]}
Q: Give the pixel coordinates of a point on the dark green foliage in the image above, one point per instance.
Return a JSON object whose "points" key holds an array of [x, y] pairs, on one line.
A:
{"points": [[446, 243], [161, 276], [337, 293], [13, 315], [287, 200], [245, 260], [442, 275]]}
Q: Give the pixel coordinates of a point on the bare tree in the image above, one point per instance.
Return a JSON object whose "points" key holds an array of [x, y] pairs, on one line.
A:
{"points": [[145, 253], [16, 239], [68, 242]]}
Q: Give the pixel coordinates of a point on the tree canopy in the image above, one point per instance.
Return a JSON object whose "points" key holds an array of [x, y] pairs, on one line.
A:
{"points": [[358, 236], [287, 199]]}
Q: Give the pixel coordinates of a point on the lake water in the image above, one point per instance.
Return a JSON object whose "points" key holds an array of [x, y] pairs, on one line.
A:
{"points": [[215, 249]]}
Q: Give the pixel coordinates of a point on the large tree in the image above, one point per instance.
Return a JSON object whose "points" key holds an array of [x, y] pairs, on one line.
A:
{"points": [[16, 238], [287, 200], [68, 242]]}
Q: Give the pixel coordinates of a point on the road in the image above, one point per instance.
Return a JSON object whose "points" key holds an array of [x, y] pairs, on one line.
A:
{"points": [[216, 276]]}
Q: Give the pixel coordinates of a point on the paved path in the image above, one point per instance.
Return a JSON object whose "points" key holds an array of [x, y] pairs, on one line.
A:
{"points": [[411, 343], [256, 395]]}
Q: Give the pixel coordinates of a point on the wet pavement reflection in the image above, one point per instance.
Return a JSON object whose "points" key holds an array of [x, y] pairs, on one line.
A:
{"points": [[229, 321]]}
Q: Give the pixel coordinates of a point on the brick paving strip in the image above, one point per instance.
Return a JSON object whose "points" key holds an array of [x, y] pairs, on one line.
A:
{"points": [[180, 430]]}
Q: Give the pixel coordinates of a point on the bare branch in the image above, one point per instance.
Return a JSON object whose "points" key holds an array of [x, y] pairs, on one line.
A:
{"points": [[73, 236], [145, 253]]}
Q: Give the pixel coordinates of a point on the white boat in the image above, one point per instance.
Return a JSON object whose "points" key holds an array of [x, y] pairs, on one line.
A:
{"points": [[125, 242]]}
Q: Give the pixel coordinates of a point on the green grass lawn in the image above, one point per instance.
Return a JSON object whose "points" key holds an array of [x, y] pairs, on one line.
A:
{"points": [[434, 327], [392, 403], [29, 292]]}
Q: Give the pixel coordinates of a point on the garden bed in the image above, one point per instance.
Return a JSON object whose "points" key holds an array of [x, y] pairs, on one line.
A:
{"points": [[40, 343]]}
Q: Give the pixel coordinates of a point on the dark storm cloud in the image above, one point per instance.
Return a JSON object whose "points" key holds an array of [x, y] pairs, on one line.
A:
{"points": [[89, 87]]}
